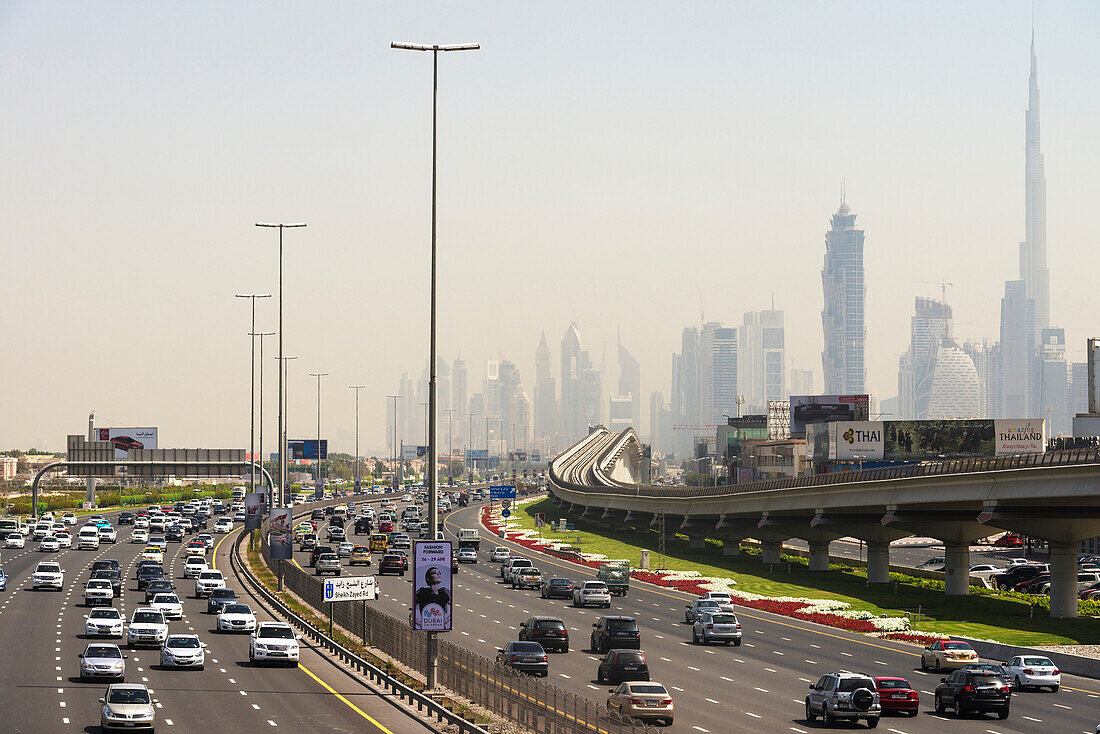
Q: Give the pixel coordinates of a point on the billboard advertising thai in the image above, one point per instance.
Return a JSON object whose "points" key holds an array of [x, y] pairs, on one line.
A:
{"points": [[125, 439], [857, 440], [810, 409], [432, 601], [923, 440]]}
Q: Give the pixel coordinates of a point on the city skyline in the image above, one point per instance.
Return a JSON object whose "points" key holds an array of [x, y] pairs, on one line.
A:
{"points": [[196, 249]]}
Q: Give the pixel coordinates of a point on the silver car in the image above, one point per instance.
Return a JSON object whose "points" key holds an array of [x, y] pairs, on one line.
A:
{"points": [[716, 627], [183, 651], [127, 706], [698, 606], [102, 660]]}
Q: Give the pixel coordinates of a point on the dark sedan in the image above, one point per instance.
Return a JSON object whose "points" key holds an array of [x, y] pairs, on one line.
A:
{"points": [[109, 574], [318, 550], [524, 657], [557, 588], [158, 586], [973, 690], [149, 574], [219, 598]]}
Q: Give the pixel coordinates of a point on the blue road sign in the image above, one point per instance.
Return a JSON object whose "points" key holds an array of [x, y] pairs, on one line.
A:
{"points": [[505, 513], [502, 492]]}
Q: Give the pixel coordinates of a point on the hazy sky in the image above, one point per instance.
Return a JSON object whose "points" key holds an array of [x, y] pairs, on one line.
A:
{"points": [[607, 162]]}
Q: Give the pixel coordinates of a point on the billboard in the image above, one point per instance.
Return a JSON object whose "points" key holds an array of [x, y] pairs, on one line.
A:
{"points": [[937, 439], [857, 440], [306, 448], [253, 510], [1020, 436], [413, 452], [477, 454], [809, 409], [432, 601], [280, 540], [125, 439], [318, 488]]}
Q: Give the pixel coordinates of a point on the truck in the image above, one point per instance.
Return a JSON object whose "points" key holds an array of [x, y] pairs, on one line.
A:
{"points": [[468, 538], [616, 574]]}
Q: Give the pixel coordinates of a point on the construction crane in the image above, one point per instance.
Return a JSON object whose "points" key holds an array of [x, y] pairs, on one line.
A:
{"points": [[943, 284]]}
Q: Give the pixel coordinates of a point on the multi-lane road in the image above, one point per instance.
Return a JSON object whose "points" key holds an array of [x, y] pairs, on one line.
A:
{"points": [[42, 632], [759, 686]]}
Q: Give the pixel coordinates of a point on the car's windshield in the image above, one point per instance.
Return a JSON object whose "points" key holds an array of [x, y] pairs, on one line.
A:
{"points": [[128, 695], [103, 652], [847, 685], [1037, 661], [49, 567], [149, 617], [893, 683], [192, 642], [98, 584], [236, 609], [277, 632], [104, 614]]}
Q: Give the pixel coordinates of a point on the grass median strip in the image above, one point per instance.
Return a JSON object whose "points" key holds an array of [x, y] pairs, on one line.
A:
{"points": [[985, 617]]}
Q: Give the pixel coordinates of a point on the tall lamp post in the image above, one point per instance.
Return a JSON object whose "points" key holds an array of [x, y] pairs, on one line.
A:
{"points": [[356, 388], [260, 420], [284, 399], [282, 427], [433, 489], [252, 387], [318, 481], [396, 457]]}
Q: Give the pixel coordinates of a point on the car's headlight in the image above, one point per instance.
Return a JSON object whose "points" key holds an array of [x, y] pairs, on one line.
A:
{"points": [[261, 646], [107, 711]]}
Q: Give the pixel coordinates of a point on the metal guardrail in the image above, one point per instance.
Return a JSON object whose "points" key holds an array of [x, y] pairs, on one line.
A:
{"points": [[1077, 457], [529, 702]]}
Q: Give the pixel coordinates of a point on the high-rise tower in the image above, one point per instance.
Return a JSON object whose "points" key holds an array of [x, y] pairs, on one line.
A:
{"points": [[842, 318], [1033, 250]]}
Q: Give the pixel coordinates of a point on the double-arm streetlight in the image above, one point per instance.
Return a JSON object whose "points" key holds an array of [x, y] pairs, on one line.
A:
{"points": [[433, 487], [260, 420], [282, 427], [396, 457], [318, 482], [284, 399], [252, 387], [356, 388]]}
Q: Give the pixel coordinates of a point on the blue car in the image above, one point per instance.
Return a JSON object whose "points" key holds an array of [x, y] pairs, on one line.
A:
{"points": [[3, 580]]}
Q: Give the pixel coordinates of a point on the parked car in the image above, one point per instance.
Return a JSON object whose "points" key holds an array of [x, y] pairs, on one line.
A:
{"points": [[622, 665], [947, 654], [550, 632], [1009, 540], [1018, 573], [524, 657], [643, 701], [895, 695], [973, 690], [718, 626], [1026, 671], [844, 696]]}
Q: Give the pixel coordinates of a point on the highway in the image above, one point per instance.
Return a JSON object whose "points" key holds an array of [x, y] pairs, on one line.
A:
{"points": [[41, 634], [759, 686]]}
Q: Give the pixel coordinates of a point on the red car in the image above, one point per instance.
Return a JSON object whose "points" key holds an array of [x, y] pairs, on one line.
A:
{"points": [[1009, 540], [897, 696]]}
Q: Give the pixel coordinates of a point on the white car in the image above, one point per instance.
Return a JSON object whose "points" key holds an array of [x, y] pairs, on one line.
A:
{"points": [[88, 539], [467, 555], [68, 518], [107, 534], [274, 642], [195, 565], [98, 591], [206, 539], [592, 593], [48, 575], [147, 627], [169, 604], [224, 525], [207, 582], [1033, 670], [141, 521], [41, 530], [64, 538], [140, 535], [49, 544], [236, 618], [500, 554], [183, 651], [15, 540], [105, 622]]}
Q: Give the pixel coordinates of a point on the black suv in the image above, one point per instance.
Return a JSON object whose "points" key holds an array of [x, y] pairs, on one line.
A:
{"points": [[219, 598], [317, 515], [158, 586], [363, 526], [318, 550], [148, 574], [973, 690], [109, 574], [174, 534], [615, 632], [550, 632], [126, 518], [621, 665], [106, 563], [1017, 574]]}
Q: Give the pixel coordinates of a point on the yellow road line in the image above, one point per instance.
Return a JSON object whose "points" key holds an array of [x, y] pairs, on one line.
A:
{"points": [[214, 555], [348, 703], [585, 570]]}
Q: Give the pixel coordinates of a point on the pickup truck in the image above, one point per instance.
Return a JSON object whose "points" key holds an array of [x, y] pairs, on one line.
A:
{"points": [[616, 575]]}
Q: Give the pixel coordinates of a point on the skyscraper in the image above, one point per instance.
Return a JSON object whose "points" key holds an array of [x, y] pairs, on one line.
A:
{"points": [[1033, 250], [761, 357], [459, 398], [545, 407], [953, 392], [842, 318], [929, 326], [574, 364], [724, 383], [1053, 382], [1018, 357], [630, 384]]}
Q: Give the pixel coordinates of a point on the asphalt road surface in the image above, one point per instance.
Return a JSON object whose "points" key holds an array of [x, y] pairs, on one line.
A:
{"points": [[758, 687]]}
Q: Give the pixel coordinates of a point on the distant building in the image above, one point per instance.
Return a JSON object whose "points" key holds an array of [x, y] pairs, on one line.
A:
{"points": [[660, 424], [630, 383], [1018, 356], [619, 415], [1053, 380], [545, 405], [724, 379], [459, 398], [761, 359], [842, 318], [574, 364], [953, 391], [9, 465], [1077, 398], [802, 382]]}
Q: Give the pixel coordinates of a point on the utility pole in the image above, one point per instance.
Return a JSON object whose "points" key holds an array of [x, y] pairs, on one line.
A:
{"points": [[260, 420], [450, 444], [396, 455], [356, 388], [319, 480], [252, 387]]}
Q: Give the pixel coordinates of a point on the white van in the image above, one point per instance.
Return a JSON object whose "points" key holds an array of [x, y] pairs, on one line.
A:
{"points": [[88, 538]]}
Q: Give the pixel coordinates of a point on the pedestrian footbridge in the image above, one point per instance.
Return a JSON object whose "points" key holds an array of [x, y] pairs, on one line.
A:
{"points": [[1054, 496]]}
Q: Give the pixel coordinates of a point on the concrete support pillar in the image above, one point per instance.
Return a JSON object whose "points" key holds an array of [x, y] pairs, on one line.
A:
{"points": [[697, 543], [957, 567], [1063, 580], [731, 548], [819, 556], [772, 551], [878, 563]]}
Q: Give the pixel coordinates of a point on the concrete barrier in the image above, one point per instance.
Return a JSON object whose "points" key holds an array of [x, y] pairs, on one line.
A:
{"points": [[1067, 663]]}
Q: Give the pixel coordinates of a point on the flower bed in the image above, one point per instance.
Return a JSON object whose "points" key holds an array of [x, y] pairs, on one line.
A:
{"points": [[829, 612]]}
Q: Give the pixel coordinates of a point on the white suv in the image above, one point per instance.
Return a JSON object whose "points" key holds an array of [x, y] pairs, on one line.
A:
{"points": [[274, 642], [147, 627], [207, 582], [48, 576], [592, 592]]}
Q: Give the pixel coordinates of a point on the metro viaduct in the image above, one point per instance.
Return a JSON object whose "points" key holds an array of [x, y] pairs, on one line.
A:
{"points": [[1053, 496]]}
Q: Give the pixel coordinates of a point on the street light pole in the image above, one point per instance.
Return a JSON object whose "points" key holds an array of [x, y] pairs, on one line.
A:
{"points": [[252, 387], [319, 480], [260, 420], [356, 388], [282, 426], [284, 401], [433, 489], [396, 457]]}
